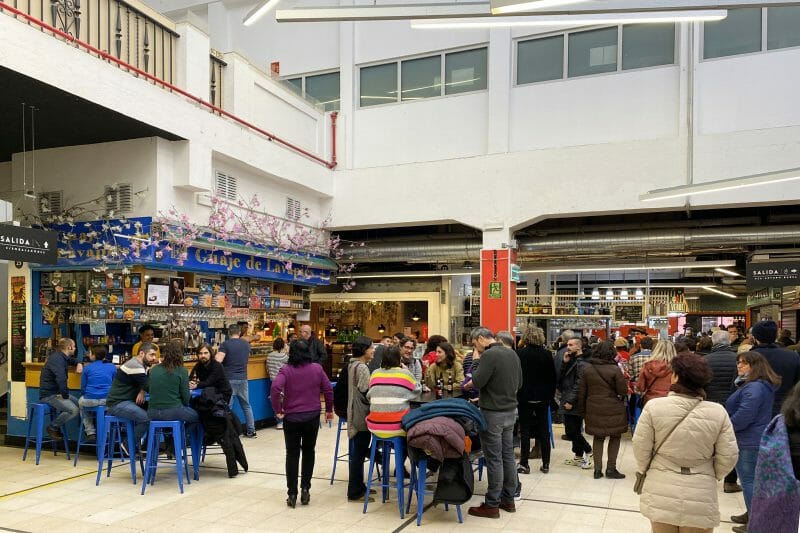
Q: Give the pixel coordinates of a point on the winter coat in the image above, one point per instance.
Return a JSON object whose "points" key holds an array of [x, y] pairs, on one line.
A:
{"points": [[654, 380], [750, 409], [722, 360], [568, 380], [601, 397], [538, 374], [220, 425], [439, 437], [681, 484], [786, 364]]}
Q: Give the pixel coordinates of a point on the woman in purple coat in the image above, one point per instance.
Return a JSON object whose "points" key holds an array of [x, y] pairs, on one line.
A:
{"points": [[295, 399]]}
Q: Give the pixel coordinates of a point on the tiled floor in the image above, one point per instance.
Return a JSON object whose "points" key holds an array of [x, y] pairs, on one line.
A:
{"points": [[54, 496]]}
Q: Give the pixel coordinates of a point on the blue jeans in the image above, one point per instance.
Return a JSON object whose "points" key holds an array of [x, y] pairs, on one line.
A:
{"points": [[88, 418], [746, 468], [240, 390], [497, 443], [67, 408], [187, 414], [131, 411]]}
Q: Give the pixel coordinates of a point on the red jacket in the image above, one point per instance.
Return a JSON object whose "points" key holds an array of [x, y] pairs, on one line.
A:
{"points": [[654, 380]]}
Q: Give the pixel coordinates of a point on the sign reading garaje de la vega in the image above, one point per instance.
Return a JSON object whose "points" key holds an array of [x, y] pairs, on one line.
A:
{"points": [[773, 274], [28, 244]]}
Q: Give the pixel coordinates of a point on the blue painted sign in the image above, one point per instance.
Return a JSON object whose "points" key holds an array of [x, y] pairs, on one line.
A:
{"points": [[127, 242]]}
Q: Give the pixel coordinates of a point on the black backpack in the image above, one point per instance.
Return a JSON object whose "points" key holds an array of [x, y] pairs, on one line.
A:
{"points": [[456, 481], [340, 392]]}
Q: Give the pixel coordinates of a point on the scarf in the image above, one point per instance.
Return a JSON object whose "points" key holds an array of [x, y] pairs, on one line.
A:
{"points": [[776, 493], [688, 391]]}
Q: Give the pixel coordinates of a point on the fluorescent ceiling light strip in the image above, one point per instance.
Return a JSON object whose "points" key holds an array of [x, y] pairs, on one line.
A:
{"points": [[652, 285], [383, 12], [424, 274], [532, 5], [259, 11], [632, 266], [628, 6], [728, 272], [567, 20], [721, 185], [717, 291]]}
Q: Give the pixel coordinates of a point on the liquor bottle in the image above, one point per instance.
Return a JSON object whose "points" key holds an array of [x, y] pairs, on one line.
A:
{"points": [[439, 388], [450, 382]]}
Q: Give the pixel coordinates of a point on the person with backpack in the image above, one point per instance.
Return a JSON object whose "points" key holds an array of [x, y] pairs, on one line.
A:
{"points": [[356, 383]]}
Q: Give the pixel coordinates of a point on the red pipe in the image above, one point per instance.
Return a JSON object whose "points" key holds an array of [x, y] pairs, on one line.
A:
{"points": [[211, 107]]}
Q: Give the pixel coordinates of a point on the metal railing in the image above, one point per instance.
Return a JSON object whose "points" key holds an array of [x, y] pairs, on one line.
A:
{"points": [[125, 29], [216, 66]]}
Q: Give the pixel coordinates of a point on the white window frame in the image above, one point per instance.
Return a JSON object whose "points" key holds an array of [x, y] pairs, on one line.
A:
{"points": [[565, 59], [311, 74], [764, 41], [442, 72]]}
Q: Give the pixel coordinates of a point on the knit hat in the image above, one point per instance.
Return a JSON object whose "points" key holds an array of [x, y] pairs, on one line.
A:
{"points": [[766, 331], [620, 343]]}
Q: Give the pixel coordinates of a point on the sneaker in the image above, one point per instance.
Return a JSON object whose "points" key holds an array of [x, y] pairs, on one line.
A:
{"points": [[575, 461], [613, 473], [484, 511], [518, 493], [251, 435], [279, 425], [123, 446], [523, 469], [587, 462], [54, 432], [90, 439]]}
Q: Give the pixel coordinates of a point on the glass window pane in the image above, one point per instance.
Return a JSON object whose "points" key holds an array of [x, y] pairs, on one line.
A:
{"points": [[324, 88], [592, 52], [783, 27], [540, 59], [378, 85], [295, 85], [465, 71], [647, 45], [739, 33], [421, 78]]}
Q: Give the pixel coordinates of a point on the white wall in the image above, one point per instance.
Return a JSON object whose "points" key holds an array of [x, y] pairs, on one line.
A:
{"points": [[5, 176]]}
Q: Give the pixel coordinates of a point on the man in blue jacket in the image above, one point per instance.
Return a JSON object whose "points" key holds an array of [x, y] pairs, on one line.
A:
{"points": [[784, 362], [96, 381], [53, 386]]}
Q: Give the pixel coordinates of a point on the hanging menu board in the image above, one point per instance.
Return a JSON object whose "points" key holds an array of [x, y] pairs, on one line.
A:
{"points": [[18, 333], [628, 312]]}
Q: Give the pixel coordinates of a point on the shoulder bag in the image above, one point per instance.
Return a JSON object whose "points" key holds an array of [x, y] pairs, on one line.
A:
{"points": [[640, 476]]}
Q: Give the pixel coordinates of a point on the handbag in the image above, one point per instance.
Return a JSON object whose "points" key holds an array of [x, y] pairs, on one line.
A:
{"points": [[640, 476]]}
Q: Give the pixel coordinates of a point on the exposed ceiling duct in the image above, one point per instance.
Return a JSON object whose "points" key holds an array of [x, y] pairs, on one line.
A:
{"points": [[597, 245]]}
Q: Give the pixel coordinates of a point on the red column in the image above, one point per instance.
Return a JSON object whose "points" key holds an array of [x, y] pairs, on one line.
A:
{"points": [[498, 293]]}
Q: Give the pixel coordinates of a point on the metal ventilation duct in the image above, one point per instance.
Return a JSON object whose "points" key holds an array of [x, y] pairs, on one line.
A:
{"points": [[431, 251]]}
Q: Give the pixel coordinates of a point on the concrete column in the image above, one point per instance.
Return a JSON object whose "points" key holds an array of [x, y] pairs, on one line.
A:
{"points": [[237, 86], [500, 69], [192, 60], [347, 91]]}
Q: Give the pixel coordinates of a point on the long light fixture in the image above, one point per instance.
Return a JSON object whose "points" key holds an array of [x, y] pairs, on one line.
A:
{"points": [[728, 272], [717, 291], [569, 20], [624, 6], [423, 274], [501, 7], [383, 12], [721, 185], [259, 11], [633, 266]]}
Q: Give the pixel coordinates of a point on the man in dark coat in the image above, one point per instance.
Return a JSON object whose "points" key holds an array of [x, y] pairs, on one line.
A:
{"points": [[53, 388], [569, 376], [722, 360], [538, 390], [784, 362], [318, 352]]}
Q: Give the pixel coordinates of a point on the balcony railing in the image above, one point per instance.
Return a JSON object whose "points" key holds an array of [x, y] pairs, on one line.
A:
{"points": [[125, 29], [216, 76]]}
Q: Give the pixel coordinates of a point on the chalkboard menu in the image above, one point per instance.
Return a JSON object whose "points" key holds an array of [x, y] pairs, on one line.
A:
{"points": [[628, 312], [18, 332]]}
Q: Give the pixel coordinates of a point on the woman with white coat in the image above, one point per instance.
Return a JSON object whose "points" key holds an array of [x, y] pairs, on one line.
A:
{"points": [[684, 445]]}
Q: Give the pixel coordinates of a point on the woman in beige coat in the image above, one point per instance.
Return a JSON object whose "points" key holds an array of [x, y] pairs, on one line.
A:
{"points": [[680, 491]]}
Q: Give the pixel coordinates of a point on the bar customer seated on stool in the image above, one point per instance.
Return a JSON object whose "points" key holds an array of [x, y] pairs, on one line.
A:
{"points": [[126, 397], [169, 389], [53, 386], [96, 381]]}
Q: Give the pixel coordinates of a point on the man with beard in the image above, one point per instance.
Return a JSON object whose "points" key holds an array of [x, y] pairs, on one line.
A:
{"points": [[407, 346], [127, 393], [208, 372]]}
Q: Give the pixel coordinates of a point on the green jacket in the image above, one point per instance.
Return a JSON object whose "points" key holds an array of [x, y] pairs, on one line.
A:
{"points": [[168, 389], [498, 377]]}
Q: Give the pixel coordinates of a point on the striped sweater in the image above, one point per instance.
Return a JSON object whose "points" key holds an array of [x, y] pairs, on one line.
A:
{"points": [[390, 390]]}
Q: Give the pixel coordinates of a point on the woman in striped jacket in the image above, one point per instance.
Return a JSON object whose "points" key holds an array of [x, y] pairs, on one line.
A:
{"points": [[391, 387]]}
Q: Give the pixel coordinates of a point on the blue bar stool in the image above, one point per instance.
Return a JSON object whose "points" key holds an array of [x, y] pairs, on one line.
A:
{"points": [[38, 411], [345, 456], [398, 444], [159, 428], [550, 425], [479, 463], [99, 424], [110, 443], [419, 469]]}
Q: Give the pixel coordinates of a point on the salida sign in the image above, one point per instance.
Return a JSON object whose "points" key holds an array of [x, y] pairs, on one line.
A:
{"points": [[28, 244], [773, 274]]}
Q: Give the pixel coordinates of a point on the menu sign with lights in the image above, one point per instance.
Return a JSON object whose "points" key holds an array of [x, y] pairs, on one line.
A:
{"points": [[773, 274]]}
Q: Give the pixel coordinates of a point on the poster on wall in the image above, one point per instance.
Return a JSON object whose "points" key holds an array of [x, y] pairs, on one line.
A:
{"points": [[176, 291], [18, 331], [157, 295]]}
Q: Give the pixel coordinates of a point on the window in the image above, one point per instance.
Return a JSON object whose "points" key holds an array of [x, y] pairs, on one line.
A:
{"points": [[647, 45], [465, 71], [296, 84], [324, 88], [540, 59], [378, 84], [226, 187], [739, 33], [421, 78], [592, 52], [783, 27]]}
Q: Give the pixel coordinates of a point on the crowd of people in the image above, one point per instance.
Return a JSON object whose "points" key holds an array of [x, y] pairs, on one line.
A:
{"points": [[725, 407]]}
